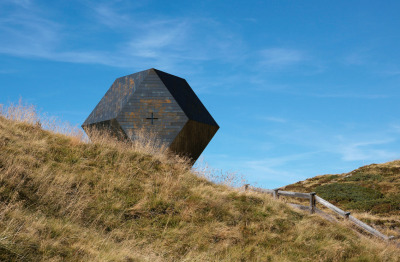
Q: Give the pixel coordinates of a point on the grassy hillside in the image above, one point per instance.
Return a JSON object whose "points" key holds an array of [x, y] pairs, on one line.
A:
{"points": [[370, 192], [65, 200]]}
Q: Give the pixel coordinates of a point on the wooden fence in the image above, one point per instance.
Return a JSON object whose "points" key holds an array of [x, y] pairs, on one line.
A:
{"points": [[314, 199]]}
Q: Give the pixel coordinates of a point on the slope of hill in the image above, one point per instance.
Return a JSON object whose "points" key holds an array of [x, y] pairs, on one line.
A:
{"points": [[372, 193], [63, 199]]}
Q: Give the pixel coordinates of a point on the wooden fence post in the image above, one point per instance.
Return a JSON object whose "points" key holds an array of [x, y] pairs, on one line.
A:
{"points": [[276, 193], [312, 202], [314, 199]]}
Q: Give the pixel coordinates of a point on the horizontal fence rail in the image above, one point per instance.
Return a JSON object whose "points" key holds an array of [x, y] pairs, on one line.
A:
{"points": [[314, 199], [294, 194]]}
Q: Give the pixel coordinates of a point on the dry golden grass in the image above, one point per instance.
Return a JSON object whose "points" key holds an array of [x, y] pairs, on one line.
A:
{"points": [[64, 199], [230, 179]]}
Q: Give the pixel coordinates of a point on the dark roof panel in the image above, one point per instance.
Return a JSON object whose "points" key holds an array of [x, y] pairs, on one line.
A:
{"points": [[186, 98]]}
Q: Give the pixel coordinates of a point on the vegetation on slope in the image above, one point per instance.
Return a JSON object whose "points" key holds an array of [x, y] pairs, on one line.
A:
{"points": [[370, 192], [64, 199]]}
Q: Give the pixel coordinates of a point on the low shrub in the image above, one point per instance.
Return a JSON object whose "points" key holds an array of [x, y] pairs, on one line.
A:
{"points": [[364, 177], [343, 192], [356, 197]]}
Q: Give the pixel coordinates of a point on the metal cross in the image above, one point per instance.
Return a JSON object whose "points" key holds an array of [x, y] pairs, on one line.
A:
{"points": [[152, 118]]}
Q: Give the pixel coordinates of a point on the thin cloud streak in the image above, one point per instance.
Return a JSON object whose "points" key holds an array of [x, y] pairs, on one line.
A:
{"points": [[395, 128], [364, 150], [108, 16], [279, 161], [167, 43], [7, 71], [274, 170], [350, 96], [19, 3], [280, 57], [274, 119], [350, 146]]}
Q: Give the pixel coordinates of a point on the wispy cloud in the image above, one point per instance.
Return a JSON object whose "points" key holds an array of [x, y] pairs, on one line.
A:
{"points": [[107, 14], [280, 57], [361, 55], [273, 162], [277, 170], [358, 58], [311, 145], [278, 61], [269, 172], [395, 128], [347, 143], [27, 34], [274, 119], [168, 43], [348, 95], [365, 151], [7, 71], [156, 40], [20, 3], [371, 58], [391, 71]]}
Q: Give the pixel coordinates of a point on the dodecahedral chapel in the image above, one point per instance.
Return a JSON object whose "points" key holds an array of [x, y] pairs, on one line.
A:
{"points": [[159, 102]]}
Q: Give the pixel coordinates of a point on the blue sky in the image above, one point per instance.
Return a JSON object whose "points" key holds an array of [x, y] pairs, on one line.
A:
{"points": [[299, 88]]}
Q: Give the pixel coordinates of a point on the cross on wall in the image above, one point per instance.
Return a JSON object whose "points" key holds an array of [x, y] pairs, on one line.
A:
{"points": [[152, 118]]}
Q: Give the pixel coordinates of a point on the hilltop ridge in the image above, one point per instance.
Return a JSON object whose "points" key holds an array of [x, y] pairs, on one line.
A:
{"points": [[371, 192], [64, 199]]}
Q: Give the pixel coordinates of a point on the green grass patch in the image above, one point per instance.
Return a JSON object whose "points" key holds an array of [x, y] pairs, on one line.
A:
{"points": [[356, 197], [364, 177], [343, 192], [382, 205]]}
